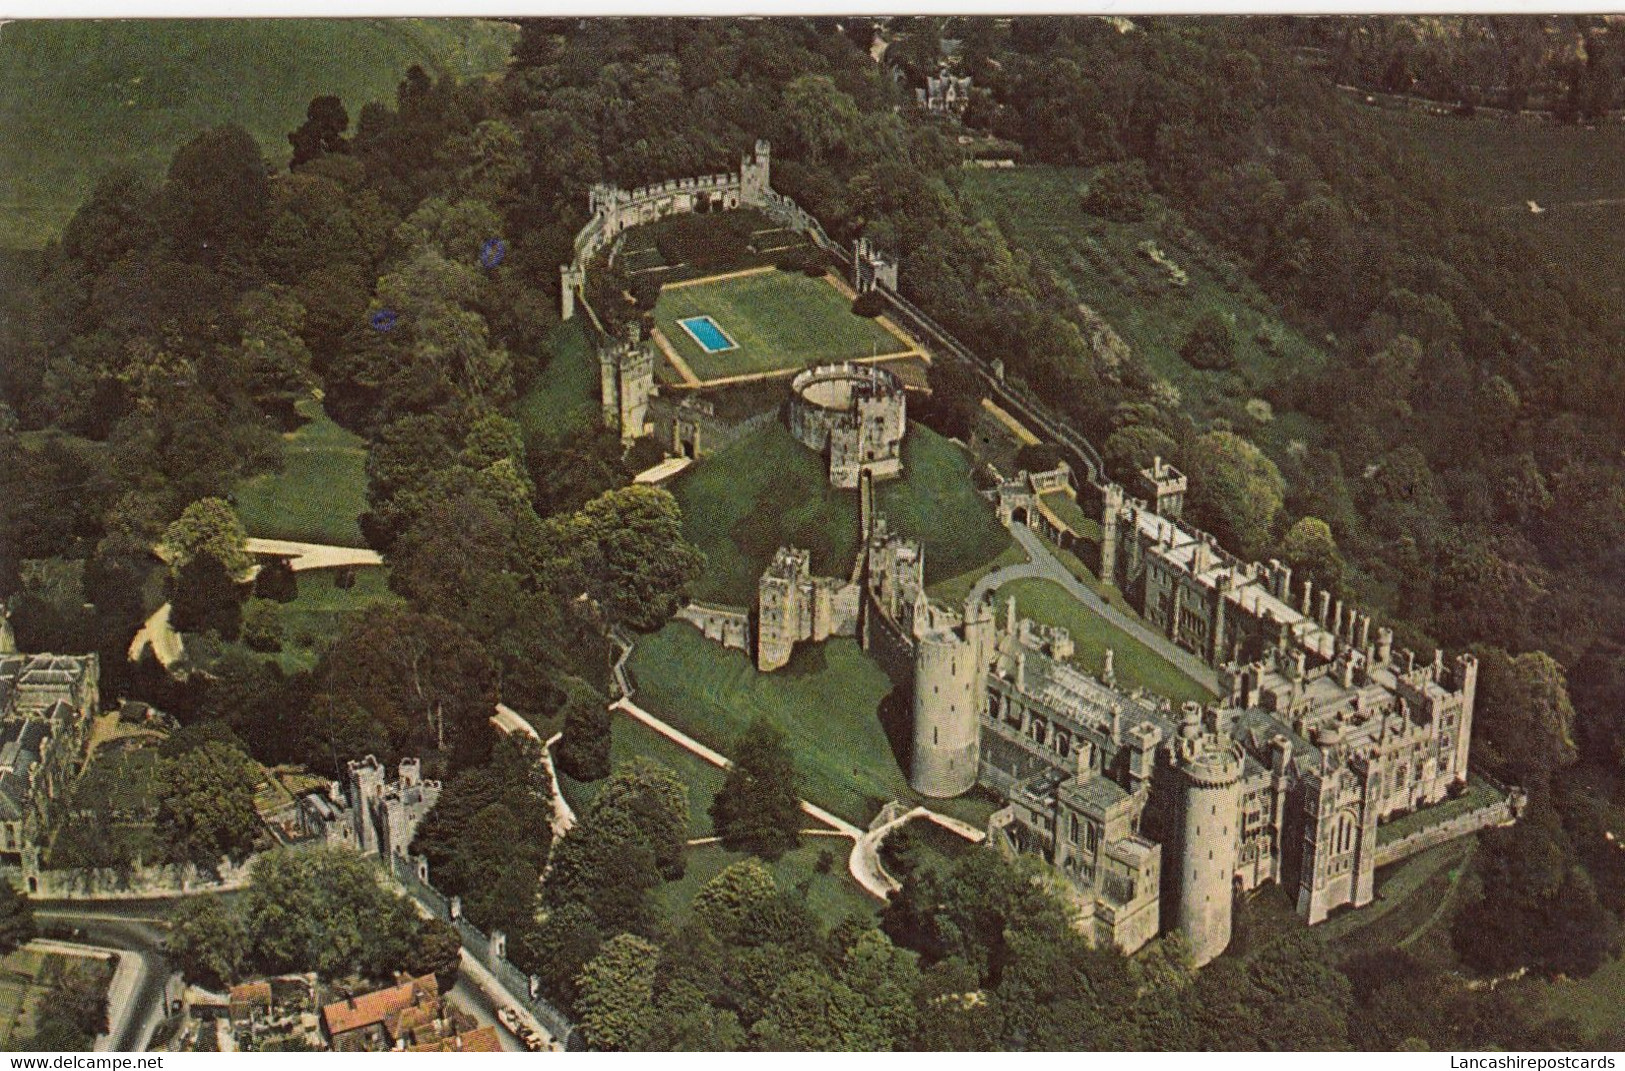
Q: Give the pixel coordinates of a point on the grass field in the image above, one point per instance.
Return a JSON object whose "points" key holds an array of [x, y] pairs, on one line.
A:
{"points": [[767, 490], [314, 619], [320, 492], [1136, 665], [1505, 164], [843, 724], [778, 319], [1101, 264], [832, 895], [78, 98], [632, 739], [564, 399]]}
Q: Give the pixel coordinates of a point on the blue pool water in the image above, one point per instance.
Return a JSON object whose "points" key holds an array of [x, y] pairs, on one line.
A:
{"points": [[706, 332]]}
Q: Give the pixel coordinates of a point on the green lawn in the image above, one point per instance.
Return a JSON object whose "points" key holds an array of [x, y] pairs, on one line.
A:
{"points": [[632, 739], [1415, 900], [313, 620], [1100, 263], [1136, 665], [767, 490], [564, 398], [956, 589], [321, 490], [832, 895], [1479, 793], [30, 981], [79, 98], [778, 319], [847, 731]]}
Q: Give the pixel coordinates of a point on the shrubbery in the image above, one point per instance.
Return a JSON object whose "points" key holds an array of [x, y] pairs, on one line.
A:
{"points": [[869, 304]]}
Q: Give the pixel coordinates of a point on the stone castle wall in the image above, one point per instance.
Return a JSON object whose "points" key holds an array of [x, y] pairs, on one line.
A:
{"points": [[855, 415], [725, 625]]}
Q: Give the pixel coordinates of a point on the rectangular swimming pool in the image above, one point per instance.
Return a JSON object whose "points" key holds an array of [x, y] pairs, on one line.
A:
{"points": [[708, 334]]}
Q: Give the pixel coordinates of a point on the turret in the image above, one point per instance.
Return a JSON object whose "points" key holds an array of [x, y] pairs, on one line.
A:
{"points": [[948, 673], [1209, 766], [755, 176]]}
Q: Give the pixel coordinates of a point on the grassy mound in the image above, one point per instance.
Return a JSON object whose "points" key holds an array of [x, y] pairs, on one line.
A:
{"points": [[767, 490]]}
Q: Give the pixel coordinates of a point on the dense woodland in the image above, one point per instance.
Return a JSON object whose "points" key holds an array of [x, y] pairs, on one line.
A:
{"points": [[1465, 480]]}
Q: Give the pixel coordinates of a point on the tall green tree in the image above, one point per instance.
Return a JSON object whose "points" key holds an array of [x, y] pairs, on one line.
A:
{"points": [[657, 798], [758, 809], [206, 805], [583, 750], [616, 1001], [1235, 491]]}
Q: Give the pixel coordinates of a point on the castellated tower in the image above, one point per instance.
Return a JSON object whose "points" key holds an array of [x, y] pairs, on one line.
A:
{"points": [[755, 180], [1209, 765], [626, 375], [364, 784], [950, 665]]}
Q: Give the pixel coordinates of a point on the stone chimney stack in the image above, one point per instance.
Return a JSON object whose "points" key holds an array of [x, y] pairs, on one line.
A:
{"points": [[1365, 632], [1325, 608], [1308, 589]]}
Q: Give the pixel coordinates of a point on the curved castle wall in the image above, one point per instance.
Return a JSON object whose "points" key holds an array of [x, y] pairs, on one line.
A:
{"points": [[853, 414], [947, 740], [1207, 861]]}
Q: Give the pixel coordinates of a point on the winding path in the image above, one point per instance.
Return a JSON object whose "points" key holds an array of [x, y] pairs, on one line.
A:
{"points": [[510, 721], [1042, 564], [303, 556], [864, 861]]}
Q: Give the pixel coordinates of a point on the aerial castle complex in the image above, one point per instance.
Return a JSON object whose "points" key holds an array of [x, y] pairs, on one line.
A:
{"points": [[1320, 732], [1157, 816]]}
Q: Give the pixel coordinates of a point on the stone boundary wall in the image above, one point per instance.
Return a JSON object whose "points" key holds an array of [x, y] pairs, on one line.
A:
{"points": [[486, 950], [140, 882], [1502, 812], [726, 625]]}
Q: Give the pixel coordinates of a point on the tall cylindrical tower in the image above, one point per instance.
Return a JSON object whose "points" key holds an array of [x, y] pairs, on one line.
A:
{"points": [[1210, 768], [946, 735]]}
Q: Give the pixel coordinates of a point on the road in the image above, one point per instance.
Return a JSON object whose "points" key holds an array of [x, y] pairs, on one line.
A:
{"points": [[1041, 564], [125, 927], [478, 1003]]}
